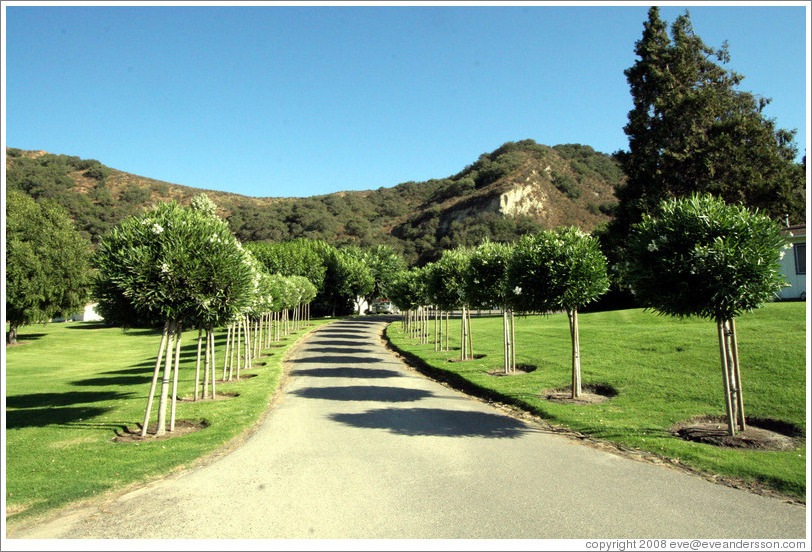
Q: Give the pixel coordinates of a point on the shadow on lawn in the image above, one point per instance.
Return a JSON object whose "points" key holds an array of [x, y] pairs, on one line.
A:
{"points": [[39, 417], [115, 380], [42, 400]]}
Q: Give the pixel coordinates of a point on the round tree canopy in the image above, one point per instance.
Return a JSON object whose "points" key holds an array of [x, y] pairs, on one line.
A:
{"points": [[556, 269], [699, 256], [175, 263]]}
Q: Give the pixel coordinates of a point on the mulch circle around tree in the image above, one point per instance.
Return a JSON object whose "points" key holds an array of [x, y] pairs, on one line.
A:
{"points": [[133, 434], [590, 394], [761, 434], [520, 369]]}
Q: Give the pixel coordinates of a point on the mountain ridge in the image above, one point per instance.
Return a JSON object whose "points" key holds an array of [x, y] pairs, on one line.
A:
{"points": [[518, 188]]}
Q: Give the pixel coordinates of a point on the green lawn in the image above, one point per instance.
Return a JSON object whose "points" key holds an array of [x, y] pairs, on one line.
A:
{"points": [[665, 371], [73, 385]]}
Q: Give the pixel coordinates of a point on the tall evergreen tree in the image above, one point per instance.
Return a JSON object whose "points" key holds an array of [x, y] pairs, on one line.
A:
{"points": [[691, 130]]}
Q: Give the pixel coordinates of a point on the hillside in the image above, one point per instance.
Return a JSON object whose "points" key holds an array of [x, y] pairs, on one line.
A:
{"points": [[518, 188]]}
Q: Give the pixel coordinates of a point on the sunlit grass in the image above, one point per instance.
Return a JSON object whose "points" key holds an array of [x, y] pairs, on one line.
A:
{"points": [[665, 371]]}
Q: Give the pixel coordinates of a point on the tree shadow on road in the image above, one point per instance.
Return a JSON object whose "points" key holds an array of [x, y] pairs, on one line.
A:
{"points": [[341, 342], [364, 393], [347, 372], [346, 349], [336, 359], [436, 422]]}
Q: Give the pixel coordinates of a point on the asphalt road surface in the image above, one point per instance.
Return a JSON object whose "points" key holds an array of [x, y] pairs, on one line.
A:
{"points": [[359, 446]]}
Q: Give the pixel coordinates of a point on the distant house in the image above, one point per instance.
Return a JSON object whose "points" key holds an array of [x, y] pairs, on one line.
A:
{"points": [[88, 314], [793, 265]]}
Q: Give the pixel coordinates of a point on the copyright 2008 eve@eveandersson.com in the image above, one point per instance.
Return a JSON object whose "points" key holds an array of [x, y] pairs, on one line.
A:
{"points": [[622, 545]]}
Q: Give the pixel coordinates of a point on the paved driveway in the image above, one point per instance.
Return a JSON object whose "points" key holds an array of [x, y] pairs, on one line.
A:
{"points": [[359, 446]]}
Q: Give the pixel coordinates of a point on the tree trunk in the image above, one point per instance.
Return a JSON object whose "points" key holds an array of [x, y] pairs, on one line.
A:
{"points": [[734, 347], [506, 340], [238, 347], [206, 365], [161, 429], [226, 354], [210, 336], [161, 349], [470, 337], [720, 326], [731, 376], [447, 316], [463, 340], [436, 335], [197, 361], [512, 342], [11, 336], [576, 353], [178, 331]]}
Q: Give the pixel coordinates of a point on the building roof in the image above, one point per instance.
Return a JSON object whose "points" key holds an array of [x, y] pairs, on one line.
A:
{"points": [[797, 231]]}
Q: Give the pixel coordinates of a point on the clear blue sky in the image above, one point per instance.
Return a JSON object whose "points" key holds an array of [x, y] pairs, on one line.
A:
{"points": [[308, 100]]}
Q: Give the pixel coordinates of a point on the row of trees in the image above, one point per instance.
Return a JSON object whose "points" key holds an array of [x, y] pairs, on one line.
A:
{"points": [[182, 267], [695, 256], [554, 270]]}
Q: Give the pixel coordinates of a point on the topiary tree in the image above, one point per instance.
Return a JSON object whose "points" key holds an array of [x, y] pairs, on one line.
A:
{"points": [[47, 271], [561, 269], [446, 286], [699, 256], [176, 265], [486, 285]]}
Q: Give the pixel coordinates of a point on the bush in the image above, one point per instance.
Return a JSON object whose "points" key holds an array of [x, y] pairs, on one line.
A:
{"points": [[567, 185]]}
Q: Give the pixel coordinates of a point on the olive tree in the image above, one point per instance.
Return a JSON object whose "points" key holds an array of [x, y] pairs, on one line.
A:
{"points": [[561, 269], [698, 256]]}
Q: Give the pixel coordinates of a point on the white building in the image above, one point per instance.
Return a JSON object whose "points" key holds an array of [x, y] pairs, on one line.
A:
{"points": [[793, 265], [88, 314]]}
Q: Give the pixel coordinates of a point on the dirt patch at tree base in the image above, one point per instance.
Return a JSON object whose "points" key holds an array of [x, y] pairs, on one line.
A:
{"points": [[759, 435], [133, 434], [520, 369], [590, 394]]}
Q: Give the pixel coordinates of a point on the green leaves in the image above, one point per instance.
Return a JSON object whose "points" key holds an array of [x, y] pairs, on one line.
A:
{"points": [[692, 131], [46, 261], [555, 270], [699, 256], [173, 263]]}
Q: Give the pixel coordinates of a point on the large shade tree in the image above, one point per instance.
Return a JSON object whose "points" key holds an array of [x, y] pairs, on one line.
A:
{"points": [[692, 130], [47, 271], [561, 269], [699, 256], [175, 265]]}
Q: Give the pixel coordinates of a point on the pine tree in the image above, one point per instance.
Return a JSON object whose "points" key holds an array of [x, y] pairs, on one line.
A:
{"points": [[691, 130]]}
